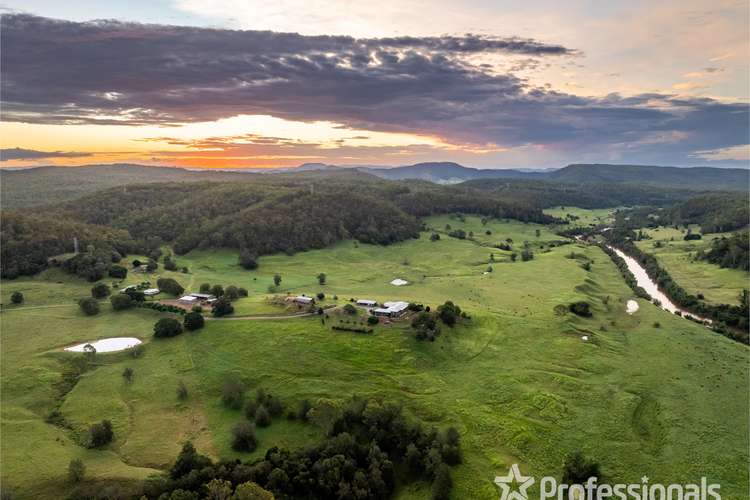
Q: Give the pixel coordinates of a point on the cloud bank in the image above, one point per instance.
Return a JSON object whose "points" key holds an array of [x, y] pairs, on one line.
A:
{"points": [[110, 72]]}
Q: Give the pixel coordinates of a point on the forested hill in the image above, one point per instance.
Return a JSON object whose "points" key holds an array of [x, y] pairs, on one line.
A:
{"points": [[549, 194], [37, 186], [702, 178], [277, 214]]}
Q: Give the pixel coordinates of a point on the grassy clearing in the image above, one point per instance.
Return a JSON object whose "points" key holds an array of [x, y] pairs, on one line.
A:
{"points": [[583, 217], [518, 381], [676, 255]]}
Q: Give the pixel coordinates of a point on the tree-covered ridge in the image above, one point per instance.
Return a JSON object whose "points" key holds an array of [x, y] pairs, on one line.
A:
{"points": [[279, 213], [547, 194], [27, 241], [732, 252], [715, 213]]}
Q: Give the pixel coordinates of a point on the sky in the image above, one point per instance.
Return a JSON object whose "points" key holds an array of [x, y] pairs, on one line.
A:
{"points": [[485, 83]]}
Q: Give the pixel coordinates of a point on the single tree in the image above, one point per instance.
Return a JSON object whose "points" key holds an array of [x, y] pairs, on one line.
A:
{"points": [[262, 417], [243, 436], [248, 260], [322, 279], [16, 297], [232, 292], [127, 374], [222, 307], [205, 287], [89, 306], [121, 301], [217, 290], [251, 491], [442, 484], [100, 290], [193, 321], [167, 327], [276, 280]]}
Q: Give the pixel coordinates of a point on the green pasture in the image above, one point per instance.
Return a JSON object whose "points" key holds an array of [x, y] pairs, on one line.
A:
{"points": [[718, 285], [648, 394]]}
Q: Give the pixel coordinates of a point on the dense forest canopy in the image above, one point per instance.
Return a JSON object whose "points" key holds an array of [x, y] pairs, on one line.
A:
{"points": [[278, 213], [545, 194]]}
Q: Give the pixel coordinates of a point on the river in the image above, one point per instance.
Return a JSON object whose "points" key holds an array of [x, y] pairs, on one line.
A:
{"points": [[645, 282]]}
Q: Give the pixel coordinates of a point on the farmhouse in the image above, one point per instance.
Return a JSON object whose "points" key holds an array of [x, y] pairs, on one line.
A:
{"points": [[391, 309], [150, 292], [187, 299], [301, 299], [129, 287], [366, 303], [202, 296]]}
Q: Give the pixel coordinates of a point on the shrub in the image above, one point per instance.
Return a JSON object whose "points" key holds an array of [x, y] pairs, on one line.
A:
{"points": [[167, 327], [251, 406], [350, 309], [274, 405], [76, 470], [449, 313], [197, 308], [182, 391], [322, 279], [320, 296], [372, 320], [100, 434], [193, 321], [121, 301], [560, 310], [100, 290], [169, 264], [117, 271], [243, 437], [222, 307], [232, 293], [580, 308], [89, 306], [16, 297], [304, 410], [127, 374], [577, 469], [205, 288], [434, 237], [262, 417], [248, 260], [242, 292], [442, 484], [170, 286], [233, 393]]}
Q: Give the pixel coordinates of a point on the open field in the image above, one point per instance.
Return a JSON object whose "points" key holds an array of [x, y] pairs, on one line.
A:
{"points": [[583, 217], [716, 284], [670, 402]]}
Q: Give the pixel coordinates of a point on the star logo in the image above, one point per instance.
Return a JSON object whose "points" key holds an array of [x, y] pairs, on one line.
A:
{"points": [[507, 484]]}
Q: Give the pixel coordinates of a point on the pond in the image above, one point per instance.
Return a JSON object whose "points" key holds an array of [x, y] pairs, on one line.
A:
{"points": [[113, 344]]}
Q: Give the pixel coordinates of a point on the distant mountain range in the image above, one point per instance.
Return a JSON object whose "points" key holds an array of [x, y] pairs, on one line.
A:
{"points": [[41, 185], [702, 178]]}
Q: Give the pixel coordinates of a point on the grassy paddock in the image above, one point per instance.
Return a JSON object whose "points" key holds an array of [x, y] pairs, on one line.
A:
{"points": [[670, 402], [719, 286]]}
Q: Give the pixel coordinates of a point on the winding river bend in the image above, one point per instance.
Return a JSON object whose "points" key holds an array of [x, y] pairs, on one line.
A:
{"points": [[645, 282]]}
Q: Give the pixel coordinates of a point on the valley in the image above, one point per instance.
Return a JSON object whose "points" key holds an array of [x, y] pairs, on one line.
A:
{"points": [[647, 391]]}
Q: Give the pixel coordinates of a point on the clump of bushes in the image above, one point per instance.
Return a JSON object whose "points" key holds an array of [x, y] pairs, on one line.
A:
{"points": [[100, 290]]}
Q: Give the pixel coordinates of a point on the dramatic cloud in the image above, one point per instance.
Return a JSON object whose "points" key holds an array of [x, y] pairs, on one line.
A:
{"points": [[110, 72], [31, 154]]}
